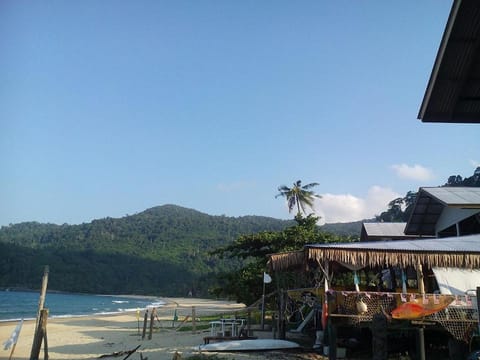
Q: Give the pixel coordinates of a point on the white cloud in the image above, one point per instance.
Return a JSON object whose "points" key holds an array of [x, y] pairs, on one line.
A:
{"points": [[346, 207], [415, 172]]}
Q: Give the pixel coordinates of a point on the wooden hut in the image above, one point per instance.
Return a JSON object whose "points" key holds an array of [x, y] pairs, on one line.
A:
{"points": [[455, 315]]}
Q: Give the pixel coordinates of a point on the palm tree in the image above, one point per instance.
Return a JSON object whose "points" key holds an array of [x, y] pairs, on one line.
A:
{"points": [[298, 196]]}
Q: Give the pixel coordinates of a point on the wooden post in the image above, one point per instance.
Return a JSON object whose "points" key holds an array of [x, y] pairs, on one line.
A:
{"points": [[152, 318], [332, 340], [138, 321], [420, 342], [43, 291], [42, 315], [45, 340], [145, 320], [478, 305], [194, 320], [262, 320], [281, 316], [249, 322], [39, 336], [421, 285]]}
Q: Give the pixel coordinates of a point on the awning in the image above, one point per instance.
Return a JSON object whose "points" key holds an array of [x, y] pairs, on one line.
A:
{"points": [[454, 281], [454, 252]]}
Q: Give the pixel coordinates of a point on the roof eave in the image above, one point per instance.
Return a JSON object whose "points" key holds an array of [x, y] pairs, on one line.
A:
{"points": [[438, 61]]}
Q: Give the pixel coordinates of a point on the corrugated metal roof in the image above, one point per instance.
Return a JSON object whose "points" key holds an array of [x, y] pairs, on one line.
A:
{"points": [[464, 197], [453, 91], [385, 229], [430, 203], [461, 244]]}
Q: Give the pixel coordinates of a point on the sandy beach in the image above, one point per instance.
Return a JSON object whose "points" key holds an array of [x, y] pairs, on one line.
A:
{"points": [[91, 337]]}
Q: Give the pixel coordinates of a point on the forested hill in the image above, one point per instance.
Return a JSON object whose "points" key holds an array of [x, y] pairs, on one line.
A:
{"points": [[164, 250], [152, 228], [348, 229]]}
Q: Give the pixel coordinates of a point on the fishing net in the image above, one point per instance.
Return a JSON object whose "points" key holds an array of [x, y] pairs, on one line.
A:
{"points": [[460, 318], [358, 307]]}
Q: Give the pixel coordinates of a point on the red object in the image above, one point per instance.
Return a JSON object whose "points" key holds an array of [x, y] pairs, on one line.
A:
{"points": [[324, 314], [412, 310]]}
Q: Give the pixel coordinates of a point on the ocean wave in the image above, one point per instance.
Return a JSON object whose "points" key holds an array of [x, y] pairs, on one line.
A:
{"points": [[159, 303], [17, 305]]}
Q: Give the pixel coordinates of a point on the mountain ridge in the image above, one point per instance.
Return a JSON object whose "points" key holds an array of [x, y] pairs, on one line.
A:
{"points": [[164, 250]]}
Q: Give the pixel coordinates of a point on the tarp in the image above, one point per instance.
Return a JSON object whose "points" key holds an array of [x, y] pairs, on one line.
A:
{"points": [[455, 281]]}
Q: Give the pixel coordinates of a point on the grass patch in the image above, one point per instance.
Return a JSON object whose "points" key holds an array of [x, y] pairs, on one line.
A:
{"points": [[190, 328]]}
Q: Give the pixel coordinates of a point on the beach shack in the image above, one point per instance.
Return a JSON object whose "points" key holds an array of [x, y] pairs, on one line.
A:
{"points": [[412, 300], [417, 284]]}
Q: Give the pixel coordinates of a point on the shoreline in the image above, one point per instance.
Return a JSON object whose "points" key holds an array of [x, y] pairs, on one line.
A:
{"points": [[158, 302], [91, 336], [111, 305]]}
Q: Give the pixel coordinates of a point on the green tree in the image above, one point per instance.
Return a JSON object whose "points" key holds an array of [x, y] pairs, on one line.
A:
{"points": [[399, 209], [244, 283], [298, 196]]}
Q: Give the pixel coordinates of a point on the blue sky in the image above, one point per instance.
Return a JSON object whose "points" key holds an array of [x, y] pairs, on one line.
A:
{"points": [[108, 108]]}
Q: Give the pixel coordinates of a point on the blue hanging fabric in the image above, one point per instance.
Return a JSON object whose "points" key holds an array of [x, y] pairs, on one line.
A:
{"points": [[356, 281], [404, 282]]}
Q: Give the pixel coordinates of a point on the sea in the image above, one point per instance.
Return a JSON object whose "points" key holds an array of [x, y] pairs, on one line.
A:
{"points": [[16, 305]]}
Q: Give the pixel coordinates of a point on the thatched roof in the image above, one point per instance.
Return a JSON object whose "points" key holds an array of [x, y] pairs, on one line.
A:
{"points": [[289, 260], [459, 252]]}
